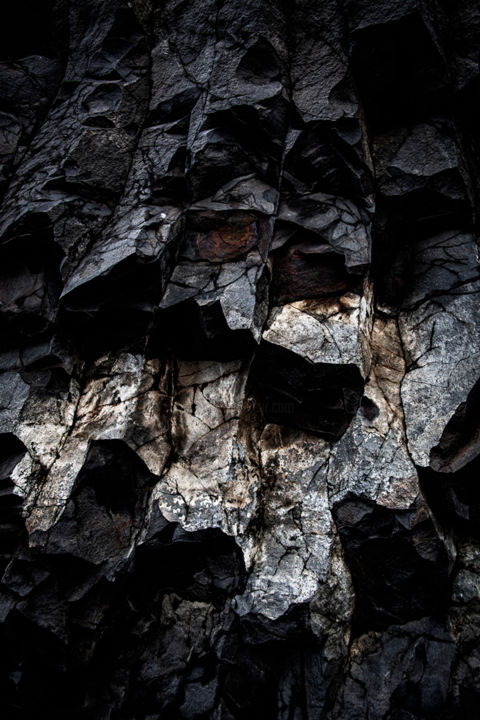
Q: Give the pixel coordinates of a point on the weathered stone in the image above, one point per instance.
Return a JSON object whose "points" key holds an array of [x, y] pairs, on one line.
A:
{"points": [[438, 330], [239, 426]]}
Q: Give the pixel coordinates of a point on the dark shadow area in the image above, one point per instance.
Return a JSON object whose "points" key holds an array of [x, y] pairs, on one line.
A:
{"points": [[94, 630], [195, 332], [12, 525], [243, 140], [400, 568], [260, 64], [113, 310], [454, 497], [306, 267], [174, 110], [171, 188], [29, 27], [328, 158], [30, 282], [399, 72], [400, 223], [320, 398]]}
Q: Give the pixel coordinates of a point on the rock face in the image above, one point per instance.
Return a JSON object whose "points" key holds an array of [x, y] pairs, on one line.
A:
{"points": [[240, 369]]}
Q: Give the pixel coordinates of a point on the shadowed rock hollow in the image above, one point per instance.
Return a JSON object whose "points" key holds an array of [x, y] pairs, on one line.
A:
{"points": [[239, 410]]}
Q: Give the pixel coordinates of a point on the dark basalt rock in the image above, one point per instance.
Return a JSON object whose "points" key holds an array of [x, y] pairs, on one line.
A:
{"points": [[411, 663], [239, 385], [399, 566]]}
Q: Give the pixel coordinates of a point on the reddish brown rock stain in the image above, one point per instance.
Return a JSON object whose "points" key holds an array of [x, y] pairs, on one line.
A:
{"points": [[227, 242]]}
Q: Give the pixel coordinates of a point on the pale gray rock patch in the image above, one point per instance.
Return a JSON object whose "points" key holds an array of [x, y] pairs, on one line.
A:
{"points": [[119, 402], [371, 460], [288, 561], [439, 335], [325, 331]]}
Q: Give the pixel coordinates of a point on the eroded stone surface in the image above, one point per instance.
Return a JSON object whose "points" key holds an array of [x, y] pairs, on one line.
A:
{"points": [[239, 425], [439, 336]]}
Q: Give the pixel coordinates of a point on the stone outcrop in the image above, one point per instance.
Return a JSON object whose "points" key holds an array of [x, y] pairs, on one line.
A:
{"points": [[239, 376]]}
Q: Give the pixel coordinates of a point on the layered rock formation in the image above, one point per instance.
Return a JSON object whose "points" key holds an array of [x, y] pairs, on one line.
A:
{"points": [[240, 365]]}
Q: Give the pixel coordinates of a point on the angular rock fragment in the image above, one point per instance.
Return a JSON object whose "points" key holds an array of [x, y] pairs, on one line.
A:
{"points": [[372, 460], [291, 545], [310, 366], [404, 671], [208, 481], [438, 330], [118, 393], [218, 290], [399, 565]]}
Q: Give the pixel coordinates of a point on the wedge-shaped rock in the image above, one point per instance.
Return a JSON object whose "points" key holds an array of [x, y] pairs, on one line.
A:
{"points": [[440, 339]]}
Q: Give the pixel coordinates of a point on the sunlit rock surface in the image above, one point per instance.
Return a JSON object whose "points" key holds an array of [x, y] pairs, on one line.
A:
{"points": [[240, 368]]}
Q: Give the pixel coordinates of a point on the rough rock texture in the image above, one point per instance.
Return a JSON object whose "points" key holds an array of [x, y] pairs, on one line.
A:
{"points": [[240, 384]]}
